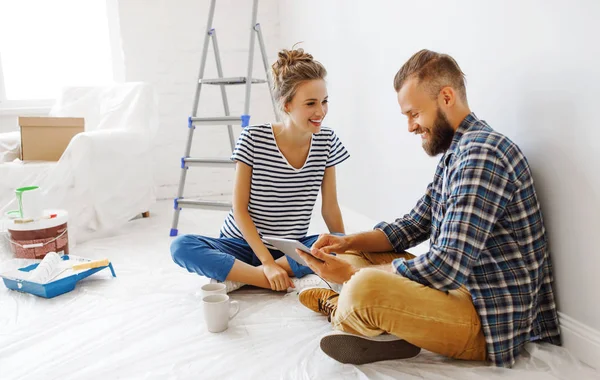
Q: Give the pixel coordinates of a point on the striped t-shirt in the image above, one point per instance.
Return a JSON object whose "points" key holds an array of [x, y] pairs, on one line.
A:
{"points": [[282, 197]]}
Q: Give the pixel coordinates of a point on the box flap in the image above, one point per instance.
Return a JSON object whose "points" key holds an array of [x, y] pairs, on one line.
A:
{"points": [[31, 121]]}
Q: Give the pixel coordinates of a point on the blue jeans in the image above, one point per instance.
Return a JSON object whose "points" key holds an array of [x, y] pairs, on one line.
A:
{"points": [[214, 257]]}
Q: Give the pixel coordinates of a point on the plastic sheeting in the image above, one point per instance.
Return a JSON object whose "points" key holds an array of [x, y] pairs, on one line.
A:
{"points": [[10, 146], [104, 177], [147, 324]]}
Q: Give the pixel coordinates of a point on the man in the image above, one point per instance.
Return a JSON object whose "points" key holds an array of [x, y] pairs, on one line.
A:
{"points": [[484, 289]]}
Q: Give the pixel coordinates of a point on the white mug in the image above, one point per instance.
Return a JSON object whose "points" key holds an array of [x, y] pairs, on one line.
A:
{"points": [[217, 311], [214, 288]]}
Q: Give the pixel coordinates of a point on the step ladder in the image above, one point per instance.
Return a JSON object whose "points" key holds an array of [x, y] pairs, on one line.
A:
{"points": [[228, 120]]}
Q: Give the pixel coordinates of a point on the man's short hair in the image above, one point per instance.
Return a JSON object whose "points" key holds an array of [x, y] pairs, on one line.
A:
{"points": [[434, 71]]}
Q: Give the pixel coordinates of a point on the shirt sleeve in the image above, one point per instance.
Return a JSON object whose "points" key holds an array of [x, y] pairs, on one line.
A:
{"points": [[244, 148], [480, 189], [337, 151], [413, 228]]}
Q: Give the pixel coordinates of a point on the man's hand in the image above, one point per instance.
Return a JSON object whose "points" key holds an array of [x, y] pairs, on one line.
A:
{"points": [[331, 269], [277, 276], [331, 243]]}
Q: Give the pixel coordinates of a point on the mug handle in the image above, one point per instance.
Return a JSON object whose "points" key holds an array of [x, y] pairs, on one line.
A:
{"points": [[236, 306]]}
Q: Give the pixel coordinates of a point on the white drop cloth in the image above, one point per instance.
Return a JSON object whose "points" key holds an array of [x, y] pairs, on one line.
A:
{"points": [[147, 324]]}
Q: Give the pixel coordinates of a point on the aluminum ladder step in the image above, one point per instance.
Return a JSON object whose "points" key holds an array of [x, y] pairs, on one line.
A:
{"points": [[243, 120], [231, 81], [189, 161], [195, 203]]}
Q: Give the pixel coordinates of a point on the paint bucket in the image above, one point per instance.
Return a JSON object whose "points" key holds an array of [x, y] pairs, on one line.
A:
{"points": [[34, 239]]}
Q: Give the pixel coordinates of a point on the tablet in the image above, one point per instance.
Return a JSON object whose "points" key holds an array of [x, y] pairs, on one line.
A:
{"points": [[288, 247]]}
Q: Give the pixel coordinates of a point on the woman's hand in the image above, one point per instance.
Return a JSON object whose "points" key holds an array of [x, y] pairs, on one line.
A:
{"points": [[277, 276]]}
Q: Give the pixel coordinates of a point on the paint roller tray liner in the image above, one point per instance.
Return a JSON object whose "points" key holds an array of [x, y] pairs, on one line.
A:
{"points": [[51, 289]]}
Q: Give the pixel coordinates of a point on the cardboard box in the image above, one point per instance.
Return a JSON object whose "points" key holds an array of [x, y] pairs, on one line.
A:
{"points": [[46, 138]]}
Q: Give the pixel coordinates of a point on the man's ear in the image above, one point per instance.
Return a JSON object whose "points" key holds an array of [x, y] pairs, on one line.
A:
{"points": [[447, 97]]}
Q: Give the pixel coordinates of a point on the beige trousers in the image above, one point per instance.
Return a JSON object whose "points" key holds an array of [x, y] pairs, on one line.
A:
{"points": [[374, 301]]}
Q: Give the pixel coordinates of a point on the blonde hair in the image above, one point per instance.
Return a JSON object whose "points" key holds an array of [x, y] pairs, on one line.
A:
{"points": [[292, 68]]}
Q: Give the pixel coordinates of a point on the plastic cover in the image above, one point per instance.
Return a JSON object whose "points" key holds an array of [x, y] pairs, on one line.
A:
{"points": [[104, 177]]}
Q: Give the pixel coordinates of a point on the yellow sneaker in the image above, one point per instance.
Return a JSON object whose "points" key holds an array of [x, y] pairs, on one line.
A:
{"points": [[320, 300]]}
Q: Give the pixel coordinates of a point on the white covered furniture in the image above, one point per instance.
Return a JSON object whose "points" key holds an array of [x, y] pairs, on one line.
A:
{"points": [[104, 177]]}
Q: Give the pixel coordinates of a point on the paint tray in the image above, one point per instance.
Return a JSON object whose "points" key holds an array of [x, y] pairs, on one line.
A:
{"points": [[54, 288]]}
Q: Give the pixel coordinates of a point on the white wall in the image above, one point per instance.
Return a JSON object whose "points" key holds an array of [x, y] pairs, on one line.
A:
{"points": [[162, 44], [9, 120], [532, 73]]}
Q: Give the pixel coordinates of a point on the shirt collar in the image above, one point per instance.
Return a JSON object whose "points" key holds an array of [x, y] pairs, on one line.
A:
{"points": [[463, 127]]}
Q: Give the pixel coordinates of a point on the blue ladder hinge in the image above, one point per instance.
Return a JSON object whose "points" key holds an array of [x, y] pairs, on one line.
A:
{"points": [[245, 120], [176, 203]]}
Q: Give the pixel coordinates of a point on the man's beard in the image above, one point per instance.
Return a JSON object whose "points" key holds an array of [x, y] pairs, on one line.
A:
{"points": [[440, 136]]}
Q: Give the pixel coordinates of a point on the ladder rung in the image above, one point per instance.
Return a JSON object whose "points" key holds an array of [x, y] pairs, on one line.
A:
{"points": [[225, 120], [194, 203], [208, 161], [231, 81]]}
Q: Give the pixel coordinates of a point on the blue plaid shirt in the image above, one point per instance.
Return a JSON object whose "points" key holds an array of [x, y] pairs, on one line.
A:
{"points": [[486, 233]]}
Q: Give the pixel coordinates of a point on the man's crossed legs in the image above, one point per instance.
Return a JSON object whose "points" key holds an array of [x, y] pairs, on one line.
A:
{"points": [[374, 302]]}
